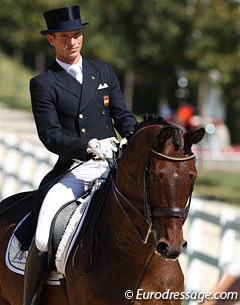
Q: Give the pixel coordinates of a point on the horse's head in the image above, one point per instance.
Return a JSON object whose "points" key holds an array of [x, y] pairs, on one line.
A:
{"points": [[155, 180]]}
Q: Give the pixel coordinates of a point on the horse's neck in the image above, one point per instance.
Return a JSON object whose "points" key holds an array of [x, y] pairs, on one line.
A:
{"points": [[120, 235]]}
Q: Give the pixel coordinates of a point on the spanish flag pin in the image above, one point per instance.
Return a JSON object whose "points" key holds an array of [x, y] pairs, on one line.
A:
{"points": [[106, 100]]}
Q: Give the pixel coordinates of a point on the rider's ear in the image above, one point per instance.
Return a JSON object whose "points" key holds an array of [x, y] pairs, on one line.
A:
{"points": [[50, 38]]}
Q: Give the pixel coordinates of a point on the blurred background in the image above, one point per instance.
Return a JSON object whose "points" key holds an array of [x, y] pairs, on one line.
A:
{"points": [[180, 59]]}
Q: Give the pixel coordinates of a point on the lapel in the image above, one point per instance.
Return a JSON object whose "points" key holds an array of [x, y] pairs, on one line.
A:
{"points": [[90, 83], [68, 83], [65, 80]]}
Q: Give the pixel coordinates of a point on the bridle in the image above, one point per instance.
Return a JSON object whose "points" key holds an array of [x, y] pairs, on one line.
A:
{"points": [[189, 157], [150, 213]]}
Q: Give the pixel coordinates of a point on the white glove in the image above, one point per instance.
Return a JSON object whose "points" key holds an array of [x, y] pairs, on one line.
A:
{"points": [[123, 142], [103, 149]]}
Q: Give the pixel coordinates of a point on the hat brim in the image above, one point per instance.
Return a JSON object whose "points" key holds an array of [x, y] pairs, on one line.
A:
{"points": [[84, 25]]}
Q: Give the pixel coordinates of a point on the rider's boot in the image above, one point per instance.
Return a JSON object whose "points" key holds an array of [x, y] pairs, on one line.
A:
{"points": [[35, 275]]}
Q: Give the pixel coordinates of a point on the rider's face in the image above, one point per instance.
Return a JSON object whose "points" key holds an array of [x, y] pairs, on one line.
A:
{"points": [[67, 45]]}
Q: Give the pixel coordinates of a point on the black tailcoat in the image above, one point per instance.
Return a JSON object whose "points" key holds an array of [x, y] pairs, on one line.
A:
{"points": [[68, 115]]}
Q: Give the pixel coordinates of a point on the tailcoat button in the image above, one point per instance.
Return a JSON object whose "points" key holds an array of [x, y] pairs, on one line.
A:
{"points": [[103, 112], [80, 116], [83, 130]]}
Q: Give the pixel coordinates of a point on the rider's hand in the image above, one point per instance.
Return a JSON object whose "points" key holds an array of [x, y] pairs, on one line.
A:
{"points": [[103, 149]]}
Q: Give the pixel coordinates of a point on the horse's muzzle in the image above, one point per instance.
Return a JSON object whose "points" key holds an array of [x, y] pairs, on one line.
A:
{"points": [[170, 251]]}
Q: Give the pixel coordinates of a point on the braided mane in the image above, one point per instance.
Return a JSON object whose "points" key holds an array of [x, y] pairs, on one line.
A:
{"points": [[151, 119], [155, 119]]}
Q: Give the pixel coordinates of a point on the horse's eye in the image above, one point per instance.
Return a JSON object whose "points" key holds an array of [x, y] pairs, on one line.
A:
{"points": [[153, 176], [193, 175]]}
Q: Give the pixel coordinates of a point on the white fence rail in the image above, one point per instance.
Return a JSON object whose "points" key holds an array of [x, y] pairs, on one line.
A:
{"points": [[22, 166], [213, 246]]}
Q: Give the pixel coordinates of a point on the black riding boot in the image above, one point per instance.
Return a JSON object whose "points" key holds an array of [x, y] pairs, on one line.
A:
{"points": [[35, 275]]}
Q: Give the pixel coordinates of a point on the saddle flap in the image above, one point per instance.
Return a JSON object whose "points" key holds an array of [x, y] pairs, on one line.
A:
{"points": [[73, 215]]}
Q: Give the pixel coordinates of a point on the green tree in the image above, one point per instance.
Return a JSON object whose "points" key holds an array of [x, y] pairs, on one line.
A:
{"points": [[142, 38], [21, 22], [214, 46]]}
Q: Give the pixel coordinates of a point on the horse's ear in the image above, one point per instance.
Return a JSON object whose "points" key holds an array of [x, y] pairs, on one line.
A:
{"points": [[163, 135], [193, 137]]}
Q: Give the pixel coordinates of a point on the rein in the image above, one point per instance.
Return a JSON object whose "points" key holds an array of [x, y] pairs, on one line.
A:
{"points": [[118, 193]]}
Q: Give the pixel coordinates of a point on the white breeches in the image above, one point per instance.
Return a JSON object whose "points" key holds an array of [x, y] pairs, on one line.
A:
{"points": [[70, 187]]}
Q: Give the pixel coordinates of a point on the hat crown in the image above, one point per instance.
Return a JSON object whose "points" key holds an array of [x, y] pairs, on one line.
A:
{"points": [[63, 19], [62, 14]]}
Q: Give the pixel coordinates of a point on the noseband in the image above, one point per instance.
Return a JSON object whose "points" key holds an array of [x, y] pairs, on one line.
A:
{"points": [[150, 213]]}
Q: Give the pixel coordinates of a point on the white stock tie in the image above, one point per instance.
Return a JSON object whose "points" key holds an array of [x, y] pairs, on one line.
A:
{"points": [[76, 72]]}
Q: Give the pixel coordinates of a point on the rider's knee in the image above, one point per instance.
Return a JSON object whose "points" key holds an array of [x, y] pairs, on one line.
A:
{"points": [[41, 244]]}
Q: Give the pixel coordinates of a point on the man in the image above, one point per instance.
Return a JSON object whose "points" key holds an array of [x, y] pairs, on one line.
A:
{"points": [[76, 103]]}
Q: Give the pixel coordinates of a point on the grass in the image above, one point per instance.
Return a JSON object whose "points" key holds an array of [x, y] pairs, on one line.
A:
{"points": [[217, 185], [14, 83]]}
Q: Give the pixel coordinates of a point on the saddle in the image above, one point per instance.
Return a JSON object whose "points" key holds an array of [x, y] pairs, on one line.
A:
{"points": [[65, 228], [67, 224]]}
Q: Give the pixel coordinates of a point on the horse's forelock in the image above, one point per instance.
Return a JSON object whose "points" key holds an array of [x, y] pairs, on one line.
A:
{"points": [[176, 138]]}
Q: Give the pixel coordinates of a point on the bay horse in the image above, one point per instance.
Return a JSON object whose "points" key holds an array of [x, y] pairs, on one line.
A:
{"points": [[132, 249]]}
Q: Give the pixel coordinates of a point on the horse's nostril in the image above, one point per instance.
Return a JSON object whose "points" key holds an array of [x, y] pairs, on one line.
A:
{"points": [[163, 247], [166, 250]]}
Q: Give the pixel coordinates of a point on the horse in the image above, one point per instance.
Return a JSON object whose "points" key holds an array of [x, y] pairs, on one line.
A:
{"points": [[128, 249]]}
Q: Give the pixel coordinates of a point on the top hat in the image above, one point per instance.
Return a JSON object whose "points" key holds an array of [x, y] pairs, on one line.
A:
{"points": [[63, 19]]}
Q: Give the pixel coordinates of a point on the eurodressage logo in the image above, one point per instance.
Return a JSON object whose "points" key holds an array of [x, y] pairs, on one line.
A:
{"points": [[171, 295]]}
